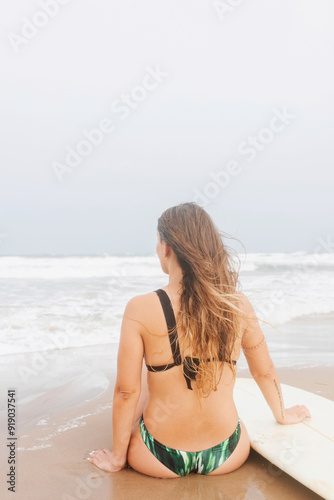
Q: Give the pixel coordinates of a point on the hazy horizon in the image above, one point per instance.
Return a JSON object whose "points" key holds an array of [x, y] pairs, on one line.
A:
{"points": [[113, 112]]}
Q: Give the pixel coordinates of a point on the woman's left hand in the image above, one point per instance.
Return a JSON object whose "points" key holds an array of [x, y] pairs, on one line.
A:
{"points": [[105, 460]]}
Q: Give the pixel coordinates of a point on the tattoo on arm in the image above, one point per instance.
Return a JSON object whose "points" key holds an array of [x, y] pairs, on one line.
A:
{"points": [[280, 399]]}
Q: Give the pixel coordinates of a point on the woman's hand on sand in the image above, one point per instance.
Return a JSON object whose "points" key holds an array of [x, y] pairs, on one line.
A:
{"points": [[105, 460], [294, 415]]}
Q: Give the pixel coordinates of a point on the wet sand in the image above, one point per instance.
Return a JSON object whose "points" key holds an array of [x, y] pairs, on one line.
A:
{"points": [[59, 427]]}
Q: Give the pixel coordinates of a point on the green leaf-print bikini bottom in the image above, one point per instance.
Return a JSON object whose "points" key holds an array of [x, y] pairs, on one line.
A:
{"points": [[184, 462]]}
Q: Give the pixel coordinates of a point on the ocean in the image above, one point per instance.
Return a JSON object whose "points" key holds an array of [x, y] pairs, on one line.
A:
{"points": [[64, 302]]}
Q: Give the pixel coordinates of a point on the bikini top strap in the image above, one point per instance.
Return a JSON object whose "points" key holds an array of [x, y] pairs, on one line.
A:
{"points": [[171, 324]]}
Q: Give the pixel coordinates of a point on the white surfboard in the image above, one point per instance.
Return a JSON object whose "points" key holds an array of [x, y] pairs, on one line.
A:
{"points": [[305, 451]]}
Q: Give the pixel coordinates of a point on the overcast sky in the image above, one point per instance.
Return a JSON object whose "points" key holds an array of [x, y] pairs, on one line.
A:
{"points": [[232, 107]]}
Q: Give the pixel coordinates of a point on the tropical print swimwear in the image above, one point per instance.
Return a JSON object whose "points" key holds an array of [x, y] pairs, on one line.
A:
{"points": [[184, 462]]}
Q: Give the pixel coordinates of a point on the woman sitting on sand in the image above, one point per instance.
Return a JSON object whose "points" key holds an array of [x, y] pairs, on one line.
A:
{"points": [[176, 415]]}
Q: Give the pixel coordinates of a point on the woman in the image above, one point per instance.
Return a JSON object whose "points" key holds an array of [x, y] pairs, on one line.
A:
{"points": [[176, 415]]}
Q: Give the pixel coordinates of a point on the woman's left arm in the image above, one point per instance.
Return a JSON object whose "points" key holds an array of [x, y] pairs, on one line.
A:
{"points": [[128, 381], [127, 388]]}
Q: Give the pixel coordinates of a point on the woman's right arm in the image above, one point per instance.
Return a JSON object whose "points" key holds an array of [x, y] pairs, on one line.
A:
{"points": [[262, 368]]}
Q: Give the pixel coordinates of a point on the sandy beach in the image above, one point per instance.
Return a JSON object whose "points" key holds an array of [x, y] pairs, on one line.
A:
{"points": [[58, 426]]}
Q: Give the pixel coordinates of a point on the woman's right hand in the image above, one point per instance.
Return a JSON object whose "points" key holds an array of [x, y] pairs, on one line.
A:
{"points": [[294, 415]]}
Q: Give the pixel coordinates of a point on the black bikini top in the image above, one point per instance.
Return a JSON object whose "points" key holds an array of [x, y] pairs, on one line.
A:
{"points": [[190, 365]]}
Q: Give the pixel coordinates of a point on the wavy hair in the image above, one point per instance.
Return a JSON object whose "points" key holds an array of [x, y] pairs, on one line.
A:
{"points": [[209, 313]]}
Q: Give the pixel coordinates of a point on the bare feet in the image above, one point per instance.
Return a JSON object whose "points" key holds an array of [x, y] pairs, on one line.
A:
{"points": [[105, 460]]}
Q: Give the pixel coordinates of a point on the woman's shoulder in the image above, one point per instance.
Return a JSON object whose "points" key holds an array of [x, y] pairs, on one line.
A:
{"points": [[248, 318], [246, 311], [140, 305], [142, 309], [244, 303]]}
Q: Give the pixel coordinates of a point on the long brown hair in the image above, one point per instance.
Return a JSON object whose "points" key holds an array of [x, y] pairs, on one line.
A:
{"points": [[209, 313]]}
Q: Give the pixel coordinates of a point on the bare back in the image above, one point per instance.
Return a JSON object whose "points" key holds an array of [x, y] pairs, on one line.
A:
{"points": [[173, 414]]}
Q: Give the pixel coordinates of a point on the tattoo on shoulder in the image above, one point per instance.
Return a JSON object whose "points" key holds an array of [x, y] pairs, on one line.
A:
{"points": [[280, 399]]}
